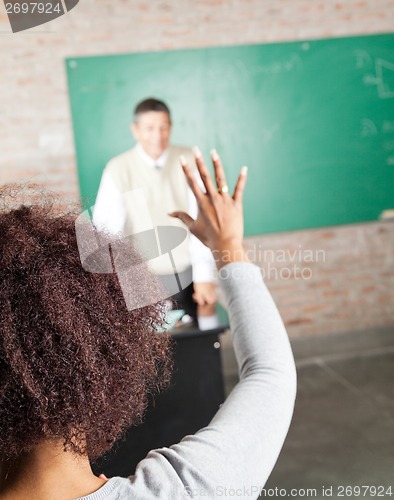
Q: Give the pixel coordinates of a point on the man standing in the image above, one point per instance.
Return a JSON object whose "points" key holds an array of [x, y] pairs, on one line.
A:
{"points": [[153, 167]]}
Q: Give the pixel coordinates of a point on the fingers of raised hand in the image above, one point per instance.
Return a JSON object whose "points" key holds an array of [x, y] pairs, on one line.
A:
{"points": [[192, 181], [204, 173], [240, 186], [221, 182], [219, 173]]}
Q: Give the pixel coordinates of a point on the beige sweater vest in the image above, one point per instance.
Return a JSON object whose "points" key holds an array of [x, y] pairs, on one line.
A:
{"points": [[160, 191]]}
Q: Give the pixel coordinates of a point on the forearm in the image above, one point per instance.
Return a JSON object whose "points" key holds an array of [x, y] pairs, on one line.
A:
{"points": [[228, 252]]}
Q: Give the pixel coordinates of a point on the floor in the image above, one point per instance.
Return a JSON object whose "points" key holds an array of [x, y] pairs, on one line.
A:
{"points": [[342, 433]]}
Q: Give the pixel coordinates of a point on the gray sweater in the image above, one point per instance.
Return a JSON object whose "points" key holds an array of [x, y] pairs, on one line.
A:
{"points": [[234, 455]]}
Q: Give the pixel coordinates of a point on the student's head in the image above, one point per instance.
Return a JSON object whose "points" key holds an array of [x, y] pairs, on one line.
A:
{"points": [[151, 126], [75, 365]]}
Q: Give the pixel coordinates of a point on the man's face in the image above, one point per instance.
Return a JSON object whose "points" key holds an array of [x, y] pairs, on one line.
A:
{"points": [[153, 132]]}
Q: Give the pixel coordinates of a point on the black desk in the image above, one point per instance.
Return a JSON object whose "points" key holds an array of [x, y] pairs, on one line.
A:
{"points": [[194, 396]]}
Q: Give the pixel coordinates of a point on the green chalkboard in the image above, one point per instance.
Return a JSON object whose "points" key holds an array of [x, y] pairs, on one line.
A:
{"points": [[313, 120]]}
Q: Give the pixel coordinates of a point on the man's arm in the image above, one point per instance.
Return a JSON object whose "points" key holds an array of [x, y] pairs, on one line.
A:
{"points": [[109, 213]]}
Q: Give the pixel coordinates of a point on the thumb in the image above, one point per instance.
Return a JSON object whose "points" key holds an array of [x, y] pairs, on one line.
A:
{"points": [[184, 217]]}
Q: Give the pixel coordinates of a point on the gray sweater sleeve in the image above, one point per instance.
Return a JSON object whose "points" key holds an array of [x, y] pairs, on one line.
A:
{"points": [[240, 446]]}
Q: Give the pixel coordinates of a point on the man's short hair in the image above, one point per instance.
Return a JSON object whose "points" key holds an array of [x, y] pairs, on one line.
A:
{"points": [[150, 104]]}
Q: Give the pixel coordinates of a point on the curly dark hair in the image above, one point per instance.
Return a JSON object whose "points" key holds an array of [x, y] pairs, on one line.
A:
{"points": [[75, 363]]}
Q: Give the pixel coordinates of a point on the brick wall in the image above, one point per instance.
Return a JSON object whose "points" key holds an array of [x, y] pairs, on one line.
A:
{"points": [[330, 280], [353, 288]]}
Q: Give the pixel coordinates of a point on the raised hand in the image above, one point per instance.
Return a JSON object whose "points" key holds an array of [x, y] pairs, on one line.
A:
{"points": [[219, 223]]}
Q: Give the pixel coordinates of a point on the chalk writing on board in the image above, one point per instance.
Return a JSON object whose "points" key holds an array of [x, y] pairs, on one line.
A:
{"points": [[390, 160], [370, 80], [383, 78], [368, 128], [289, 64], [363, 59]]}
